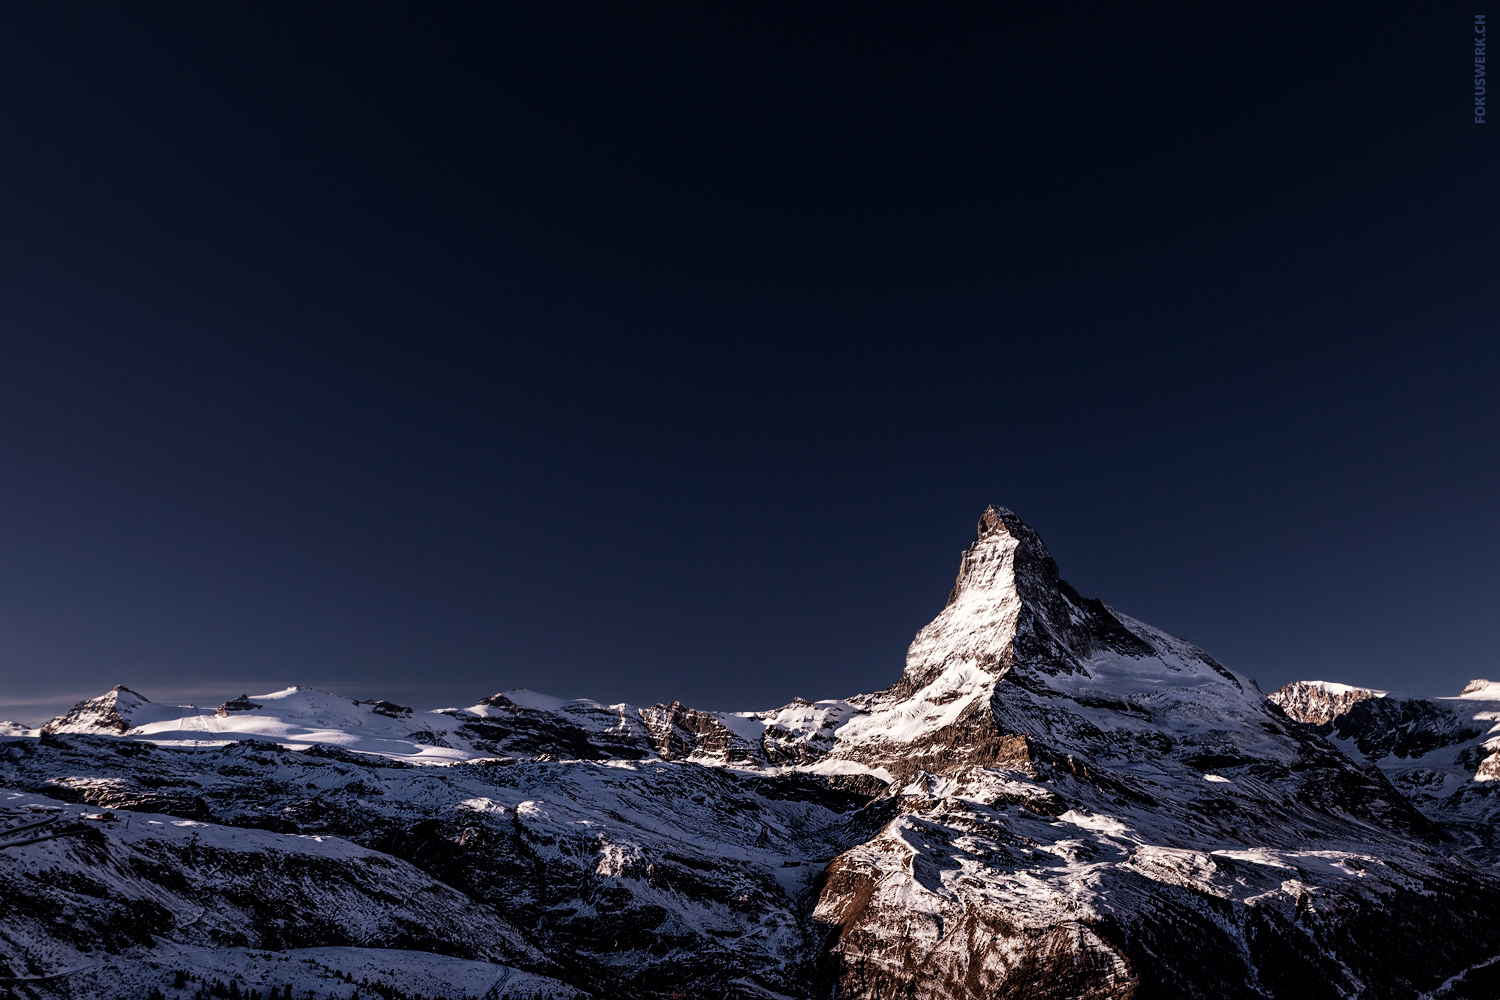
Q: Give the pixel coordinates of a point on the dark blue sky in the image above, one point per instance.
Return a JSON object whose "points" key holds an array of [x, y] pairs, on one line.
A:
{"points": [[673, 353]]}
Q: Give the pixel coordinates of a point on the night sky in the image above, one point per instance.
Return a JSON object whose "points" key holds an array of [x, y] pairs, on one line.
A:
{"points": [[645, 352]]}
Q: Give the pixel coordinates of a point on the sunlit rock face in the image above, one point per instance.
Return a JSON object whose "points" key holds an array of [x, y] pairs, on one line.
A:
{"points": [[1052, 800]]}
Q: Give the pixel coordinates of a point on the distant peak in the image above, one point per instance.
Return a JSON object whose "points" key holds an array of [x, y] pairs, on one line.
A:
{"points": [[110, 712], [1319, 702], [521, 698]]}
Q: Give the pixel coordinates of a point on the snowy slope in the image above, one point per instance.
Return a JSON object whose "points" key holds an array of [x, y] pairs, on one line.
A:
{"points": [[295, 717]]}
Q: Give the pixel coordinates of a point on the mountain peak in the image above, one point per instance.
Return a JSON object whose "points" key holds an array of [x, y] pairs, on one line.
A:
{"points": [[1007, 557], [1007, 571], [110, 712], [997, 519], [1011, 608]]}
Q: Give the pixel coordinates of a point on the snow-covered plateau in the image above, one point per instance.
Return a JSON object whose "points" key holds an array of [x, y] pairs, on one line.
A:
{"points": [[1053, 800]]}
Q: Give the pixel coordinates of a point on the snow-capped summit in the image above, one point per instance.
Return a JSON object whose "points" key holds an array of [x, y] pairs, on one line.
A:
{"points": [[1010, 610], [1013, 640], [111, 712], [1481, 690]]}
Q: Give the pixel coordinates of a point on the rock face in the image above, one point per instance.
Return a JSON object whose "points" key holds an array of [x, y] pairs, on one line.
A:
{"points": [[1053, 800]]}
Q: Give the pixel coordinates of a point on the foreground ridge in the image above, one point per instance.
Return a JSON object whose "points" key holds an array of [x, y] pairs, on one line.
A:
{"points": [[1052, 800]]}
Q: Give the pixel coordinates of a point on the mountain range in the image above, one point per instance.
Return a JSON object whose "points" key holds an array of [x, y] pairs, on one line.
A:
{"points": [[1053, 800]]}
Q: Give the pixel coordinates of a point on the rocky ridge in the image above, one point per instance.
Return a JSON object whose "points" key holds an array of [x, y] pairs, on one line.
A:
{"points": [[1053, 800]]}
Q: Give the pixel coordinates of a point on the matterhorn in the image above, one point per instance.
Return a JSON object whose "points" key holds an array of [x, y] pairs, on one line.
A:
{"points": [[1053, 800]]}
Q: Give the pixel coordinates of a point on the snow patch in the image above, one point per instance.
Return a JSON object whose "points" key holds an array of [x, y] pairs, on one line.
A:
{"points": [[835, 765], [1334, 688], [535, 700], [747, 726]]}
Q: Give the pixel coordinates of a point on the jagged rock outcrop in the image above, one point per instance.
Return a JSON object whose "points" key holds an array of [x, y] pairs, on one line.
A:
{"points": [[389, 709], [240, 704], [1052, 800]]}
